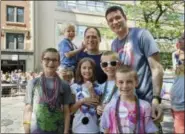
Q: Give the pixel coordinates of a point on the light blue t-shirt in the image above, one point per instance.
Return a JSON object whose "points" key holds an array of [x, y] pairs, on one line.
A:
{"points": [[177, 90], [108, 91], [66, 46], [134, 50]]}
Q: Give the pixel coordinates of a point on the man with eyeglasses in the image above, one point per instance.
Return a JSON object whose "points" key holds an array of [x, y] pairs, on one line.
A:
{"points": [[137, 48]]}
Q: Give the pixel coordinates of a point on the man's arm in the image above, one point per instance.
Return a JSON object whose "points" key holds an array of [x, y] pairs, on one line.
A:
{"points": [[67, 118], [157, 79], [157, 73]]}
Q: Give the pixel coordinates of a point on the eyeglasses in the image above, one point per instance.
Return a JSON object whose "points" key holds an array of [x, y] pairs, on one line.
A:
{"points": [[111, 63], [47, 60]]}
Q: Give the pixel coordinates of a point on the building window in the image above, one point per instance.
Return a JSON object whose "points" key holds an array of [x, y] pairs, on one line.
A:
{"points": [[14, 41], [91, 5], [72, 4], [82, 5], [15, 14], [80, 31], [100, 6]]}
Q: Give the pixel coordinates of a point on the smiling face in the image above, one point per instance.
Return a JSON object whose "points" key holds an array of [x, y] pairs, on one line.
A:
{"points": [[126, 83], [86, 71], [69, 32], [92, 40], [116, 21], [50, 62], [109, 64]]}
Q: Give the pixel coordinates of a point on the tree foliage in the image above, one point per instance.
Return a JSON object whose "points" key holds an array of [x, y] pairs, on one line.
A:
{"points": [[164, 19]]}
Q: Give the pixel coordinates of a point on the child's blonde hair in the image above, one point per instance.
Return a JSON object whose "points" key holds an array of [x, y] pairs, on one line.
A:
{"points": [[127, 69], [111, 53], [67, 26]]}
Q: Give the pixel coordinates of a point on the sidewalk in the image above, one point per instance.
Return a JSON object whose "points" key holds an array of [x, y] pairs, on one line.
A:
{"points": [[12, 113], [167, 123]]}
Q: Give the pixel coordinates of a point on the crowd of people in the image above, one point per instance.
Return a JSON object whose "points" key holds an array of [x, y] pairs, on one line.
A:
{"points": [[84, 90], [18, 76]]}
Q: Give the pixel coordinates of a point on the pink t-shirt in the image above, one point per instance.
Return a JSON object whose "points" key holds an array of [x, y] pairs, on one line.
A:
{"points": [[127, 115]]}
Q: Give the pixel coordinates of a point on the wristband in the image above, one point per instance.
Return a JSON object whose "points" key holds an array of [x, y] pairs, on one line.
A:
{"points": [[27, 122], [158, 98]]}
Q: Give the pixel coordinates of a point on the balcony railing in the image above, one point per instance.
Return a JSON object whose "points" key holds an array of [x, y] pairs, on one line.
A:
{"points": [[86, 6]]}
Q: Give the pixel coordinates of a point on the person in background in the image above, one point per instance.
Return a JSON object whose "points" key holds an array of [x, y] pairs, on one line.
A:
{"points": [[177, 91], [47, 99], [68, 75]]}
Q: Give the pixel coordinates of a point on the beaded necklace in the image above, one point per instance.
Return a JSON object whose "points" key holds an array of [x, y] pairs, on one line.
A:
{"points": [[137, 109], [52, 99], [112, 93]]}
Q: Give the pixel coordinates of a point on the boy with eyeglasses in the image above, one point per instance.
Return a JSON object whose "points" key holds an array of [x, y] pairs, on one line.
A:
{"points": [[109, 64]]}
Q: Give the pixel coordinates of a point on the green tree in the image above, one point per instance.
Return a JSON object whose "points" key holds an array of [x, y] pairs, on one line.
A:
{"points": [[163, 18]]}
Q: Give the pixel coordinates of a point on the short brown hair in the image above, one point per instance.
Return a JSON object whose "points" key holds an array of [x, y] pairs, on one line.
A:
{"points": [[53, 50], [79, 78], [127, 69], [113, 9]]}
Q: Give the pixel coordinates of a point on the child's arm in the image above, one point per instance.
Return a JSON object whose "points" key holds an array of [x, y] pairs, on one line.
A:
{"points": [[67, 118], [87, 101], [74, 52], [76, 106]]}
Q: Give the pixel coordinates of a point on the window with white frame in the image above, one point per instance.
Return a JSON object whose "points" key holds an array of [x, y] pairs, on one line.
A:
{"points": [[82, 5], [80, 31], [91, 5], [100, 6], [15, 14], [72, 4], [14, 41]]}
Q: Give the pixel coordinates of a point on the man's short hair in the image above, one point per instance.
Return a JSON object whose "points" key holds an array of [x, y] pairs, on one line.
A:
{"points": [[97, 30], [113, 9]]}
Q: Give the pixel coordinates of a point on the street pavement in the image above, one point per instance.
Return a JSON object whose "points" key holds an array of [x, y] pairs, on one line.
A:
{"points": [[12, 115]]}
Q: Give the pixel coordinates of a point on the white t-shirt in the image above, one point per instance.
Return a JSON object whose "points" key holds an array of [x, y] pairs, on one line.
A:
{"points": [[78, 126]]}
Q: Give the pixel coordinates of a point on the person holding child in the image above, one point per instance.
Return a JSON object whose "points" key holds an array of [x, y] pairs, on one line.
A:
{"points": [[47, 99], [86, 94], [92, 39], [127, 113], [177, 91]]}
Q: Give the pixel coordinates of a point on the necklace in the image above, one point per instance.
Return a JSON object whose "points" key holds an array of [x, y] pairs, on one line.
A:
{"points": [[72, 46], [118, 120], [112, 93], [51, 100]]}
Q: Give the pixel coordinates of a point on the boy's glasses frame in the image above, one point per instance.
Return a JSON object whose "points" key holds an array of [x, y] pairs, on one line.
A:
{"points": [[109, 63], [47, 60]]}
